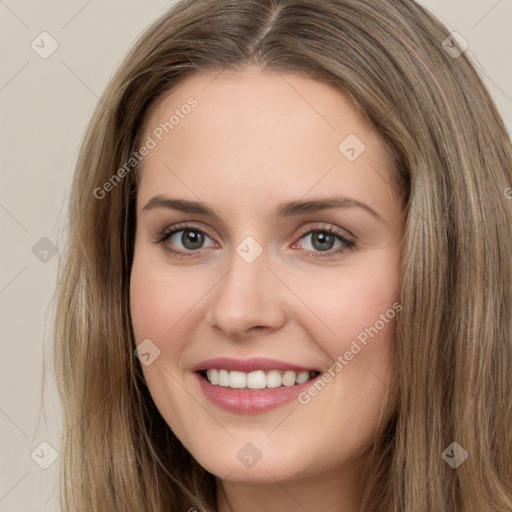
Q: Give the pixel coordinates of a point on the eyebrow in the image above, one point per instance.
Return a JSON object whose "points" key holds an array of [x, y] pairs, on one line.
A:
{"points": [[287, 209]]}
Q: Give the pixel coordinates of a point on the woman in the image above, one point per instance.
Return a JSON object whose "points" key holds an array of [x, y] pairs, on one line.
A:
{"points": [[288, 283]]}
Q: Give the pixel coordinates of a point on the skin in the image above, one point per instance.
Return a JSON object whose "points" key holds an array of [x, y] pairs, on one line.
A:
{"points": [[257, 139]]}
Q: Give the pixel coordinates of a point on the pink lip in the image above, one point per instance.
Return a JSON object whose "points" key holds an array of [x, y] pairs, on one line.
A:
{"points": [[251, 402], [245, 401], [248, 365]]}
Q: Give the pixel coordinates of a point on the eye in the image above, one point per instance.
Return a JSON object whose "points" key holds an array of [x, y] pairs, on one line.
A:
{"points": [[186, 238], [321, 241], [327, 240]]}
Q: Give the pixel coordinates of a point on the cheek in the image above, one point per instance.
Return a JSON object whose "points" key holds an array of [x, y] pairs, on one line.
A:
{"points": [[352, 319], [341, 305], [163, 308], [161, 301]]}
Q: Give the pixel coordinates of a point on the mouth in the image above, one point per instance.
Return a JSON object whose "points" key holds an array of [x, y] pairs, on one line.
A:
{"points": [[252, 385], [258, 379]]}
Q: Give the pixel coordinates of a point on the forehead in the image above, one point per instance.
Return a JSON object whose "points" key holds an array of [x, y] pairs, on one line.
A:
{"points": [[263, 134]]}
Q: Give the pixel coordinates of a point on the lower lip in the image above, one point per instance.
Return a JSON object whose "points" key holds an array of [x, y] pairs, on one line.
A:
{"points": [[244, 401]]}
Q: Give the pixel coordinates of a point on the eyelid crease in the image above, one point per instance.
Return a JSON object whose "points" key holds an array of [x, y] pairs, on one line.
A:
{"points": [[330, 228]]}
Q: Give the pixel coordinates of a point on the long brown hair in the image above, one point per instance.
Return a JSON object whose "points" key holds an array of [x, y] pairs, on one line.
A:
{"points": [[453, 160]]}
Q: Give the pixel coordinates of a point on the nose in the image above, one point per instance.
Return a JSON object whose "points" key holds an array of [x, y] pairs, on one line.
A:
{"points": [[248, 299]]}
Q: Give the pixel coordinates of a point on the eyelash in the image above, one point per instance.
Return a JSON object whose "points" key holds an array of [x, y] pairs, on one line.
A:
{"points": [[346, 244]]}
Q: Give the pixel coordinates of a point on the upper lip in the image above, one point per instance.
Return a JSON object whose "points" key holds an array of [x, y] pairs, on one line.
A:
{"points": [[248, 365]]}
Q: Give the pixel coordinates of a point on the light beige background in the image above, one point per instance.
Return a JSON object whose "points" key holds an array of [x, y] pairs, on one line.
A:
{"points": [[45, 105]]}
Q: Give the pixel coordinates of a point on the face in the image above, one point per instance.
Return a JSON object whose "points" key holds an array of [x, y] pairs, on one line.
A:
{"points": [[265, 277]]}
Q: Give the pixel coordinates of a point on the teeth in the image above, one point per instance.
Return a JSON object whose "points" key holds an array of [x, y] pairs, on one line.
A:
{"points": [[213, 376], [302, 377], [237, 380], [274, 379], [223, 378], [288, 379], [258, 379]]}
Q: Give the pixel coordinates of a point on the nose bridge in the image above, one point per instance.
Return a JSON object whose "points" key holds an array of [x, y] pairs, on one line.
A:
{"points": [[245, 297]]}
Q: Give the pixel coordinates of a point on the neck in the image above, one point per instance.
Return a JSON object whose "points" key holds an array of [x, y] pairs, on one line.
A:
{"points": [[334, 492]]}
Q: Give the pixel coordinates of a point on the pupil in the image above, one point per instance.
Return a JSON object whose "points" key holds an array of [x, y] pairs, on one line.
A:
{"points": [[192, 239], [323, 241]]}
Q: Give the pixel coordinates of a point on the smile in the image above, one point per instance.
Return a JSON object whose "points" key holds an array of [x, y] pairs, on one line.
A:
{"points": [[258, 379], [252, 385]]}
